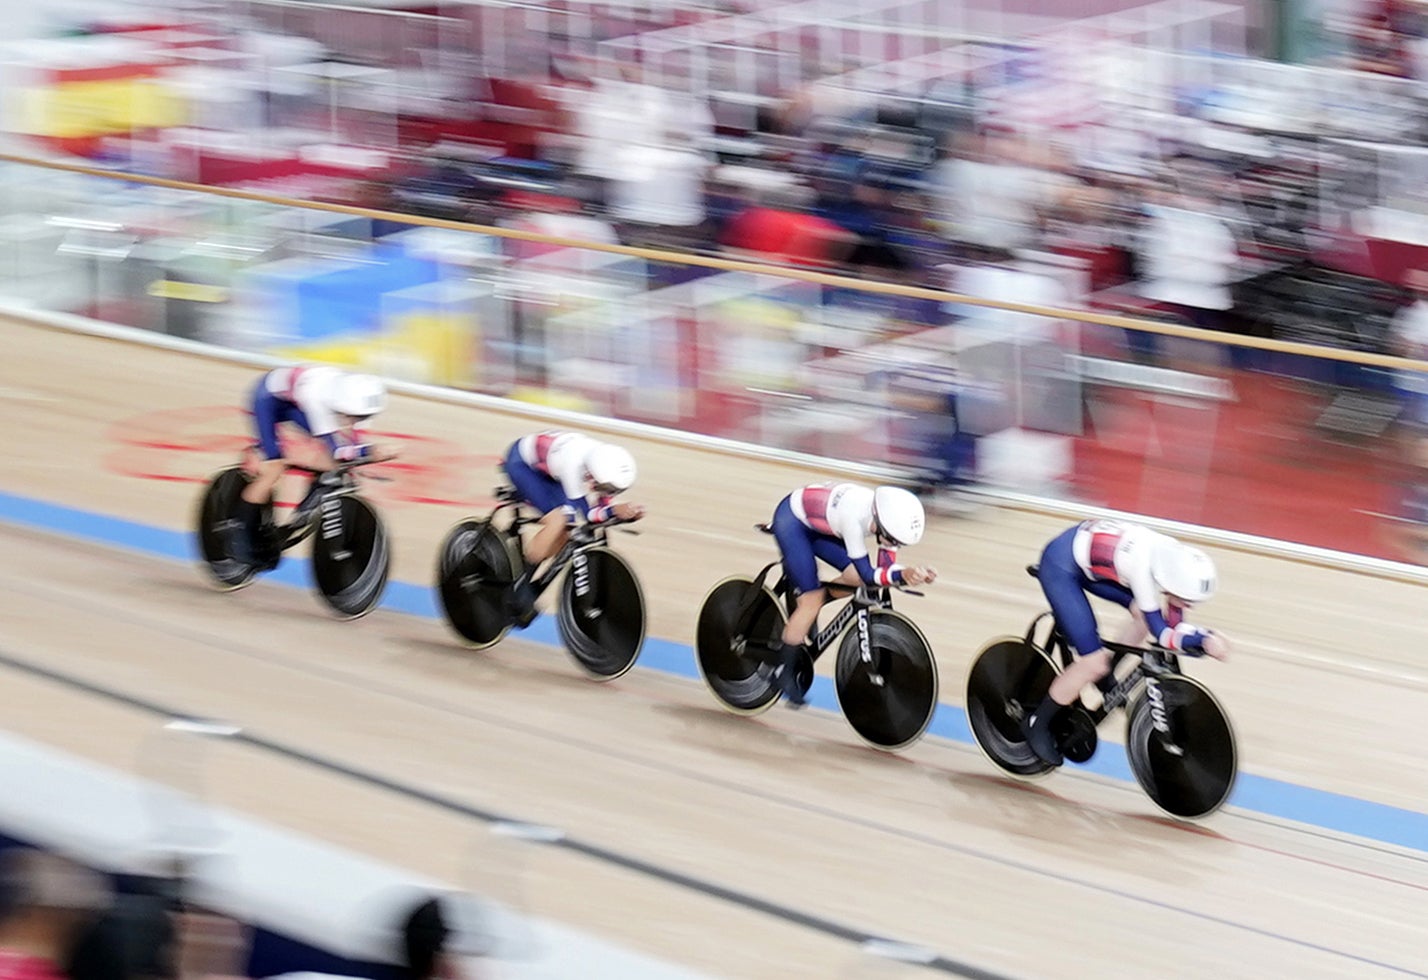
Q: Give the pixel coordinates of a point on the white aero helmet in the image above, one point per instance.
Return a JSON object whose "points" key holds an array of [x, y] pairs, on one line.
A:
{"points": [[1183, 571], [611, 468], [360, 395], [898, 515]]}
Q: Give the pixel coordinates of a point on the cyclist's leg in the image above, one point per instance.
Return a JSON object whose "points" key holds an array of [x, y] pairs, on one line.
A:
{"points": [[268, 412], [796, 544], [1092, 662], [831, 551], [1065, 588], [547, 496]]}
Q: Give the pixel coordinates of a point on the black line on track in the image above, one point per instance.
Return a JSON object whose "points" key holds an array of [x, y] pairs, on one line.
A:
{"points": [[828, 927]]}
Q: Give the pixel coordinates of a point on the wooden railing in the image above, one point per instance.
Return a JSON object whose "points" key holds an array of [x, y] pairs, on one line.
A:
{"points": [[738, 265]]}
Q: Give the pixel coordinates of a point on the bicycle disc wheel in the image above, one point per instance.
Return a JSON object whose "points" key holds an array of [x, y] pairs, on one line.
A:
{"points": [[737, 677], [1190, 773], [215, 516], [890, 698], [1007, 680], [601, 617], [476, 570], [350, 555]]}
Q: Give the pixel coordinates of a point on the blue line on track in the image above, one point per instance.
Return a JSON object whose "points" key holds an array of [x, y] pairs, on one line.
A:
{"points": [[1258, 794]]}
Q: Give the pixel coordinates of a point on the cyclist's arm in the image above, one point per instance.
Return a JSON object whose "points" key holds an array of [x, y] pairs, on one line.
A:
{"points": [[345, 450], [603, 510], [855, 541], [1182, 636], [358, 446], [322, 426]]}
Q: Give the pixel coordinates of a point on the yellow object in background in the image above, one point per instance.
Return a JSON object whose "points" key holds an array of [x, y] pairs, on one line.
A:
{"points": [[551, 399], [70, 109], [425, 347], [194, 292]]}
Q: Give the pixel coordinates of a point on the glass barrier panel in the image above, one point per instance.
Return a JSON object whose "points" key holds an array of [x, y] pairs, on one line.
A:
{"points": [[1306, 448]]}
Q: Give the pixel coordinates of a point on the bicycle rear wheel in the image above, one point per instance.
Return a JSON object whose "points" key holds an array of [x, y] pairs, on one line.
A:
{"points": [[216, 515], [350, 556], [1189, 771], [1007, 680], [890, 698], [601, 617], [474, 573], [735, 674]]}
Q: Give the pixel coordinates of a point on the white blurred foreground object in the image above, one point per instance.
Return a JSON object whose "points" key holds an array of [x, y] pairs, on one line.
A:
{"points": [[312, 893]]}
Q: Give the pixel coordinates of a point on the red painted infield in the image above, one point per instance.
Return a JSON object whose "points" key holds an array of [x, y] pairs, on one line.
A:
{"points": [[187, 445]]}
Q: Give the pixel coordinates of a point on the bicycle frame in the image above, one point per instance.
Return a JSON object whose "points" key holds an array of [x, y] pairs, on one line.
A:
{"points": [[856, 611], [577, 542], [1155, 662], [319, 507]]}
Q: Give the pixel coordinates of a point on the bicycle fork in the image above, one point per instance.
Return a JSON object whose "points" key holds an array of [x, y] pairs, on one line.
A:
{"points": [[584, 601], [865, 648], [1162, 718], [331, 529]]}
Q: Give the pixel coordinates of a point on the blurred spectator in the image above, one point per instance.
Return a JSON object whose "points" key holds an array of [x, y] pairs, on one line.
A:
{"points": [[617, 113], [424, 936], [1406, 532], [931, 437], [151, 933], [1376, 45], [558, 216], [210, 946], [1187, 260], [999, 276], [425, 949], [1409, 338], [429, 945], [46, 903], [989, 197], [657, 193], [777, 229], [104, 951]]}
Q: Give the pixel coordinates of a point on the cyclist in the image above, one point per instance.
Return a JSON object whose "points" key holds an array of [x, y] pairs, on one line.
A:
{"points": [[831, 521], [1133, 566], [328, 403], [556, 472]]}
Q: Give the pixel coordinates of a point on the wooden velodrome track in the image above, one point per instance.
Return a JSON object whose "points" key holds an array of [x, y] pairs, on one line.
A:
{"points": [[814, 839]]}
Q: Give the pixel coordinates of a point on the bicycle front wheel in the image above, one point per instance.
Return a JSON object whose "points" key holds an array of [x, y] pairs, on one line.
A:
{"points": [[890, 694], [601, 617], [1181, 747], [351, 557]]}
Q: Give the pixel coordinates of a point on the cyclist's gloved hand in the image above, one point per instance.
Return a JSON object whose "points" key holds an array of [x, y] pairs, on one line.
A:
{"points": [[919, 575], [1216, 645], [629, 512], [346, 454]]}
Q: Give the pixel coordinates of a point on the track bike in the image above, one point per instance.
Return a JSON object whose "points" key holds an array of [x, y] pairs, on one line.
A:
{"points": [[600, 611], [351, 556], [1179, 740], [885, 675]]}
